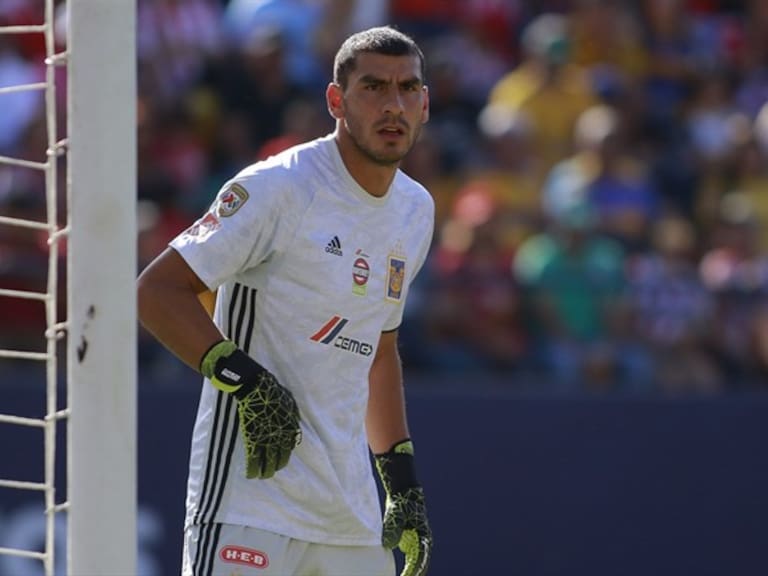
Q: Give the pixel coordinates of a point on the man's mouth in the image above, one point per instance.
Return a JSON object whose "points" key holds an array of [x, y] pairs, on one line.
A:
{"points": [[391, 131]]}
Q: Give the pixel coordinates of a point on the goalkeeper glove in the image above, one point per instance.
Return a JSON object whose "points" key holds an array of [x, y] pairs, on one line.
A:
{"points": [[405, 512], [269, 417]]}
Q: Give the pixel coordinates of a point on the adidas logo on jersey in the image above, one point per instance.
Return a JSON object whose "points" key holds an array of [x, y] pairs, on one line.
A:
{"points": [[334, 246]]}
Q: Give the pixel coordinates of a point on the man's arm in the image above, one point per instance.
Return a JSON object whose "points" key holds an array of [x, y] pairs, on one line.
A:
{"points": [[405, 516], [170, 308], [386, 419]]}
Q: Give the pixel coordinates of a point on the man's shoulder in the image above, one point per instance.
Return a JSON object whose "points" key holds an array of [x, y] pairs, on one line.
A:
{"points": [[291, 158], [413, 189], [286, 170]]}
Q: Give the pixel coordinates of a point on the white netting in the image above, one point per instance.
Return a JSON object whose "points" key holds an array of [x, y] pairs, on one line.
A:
{"points": [[48, 227]]}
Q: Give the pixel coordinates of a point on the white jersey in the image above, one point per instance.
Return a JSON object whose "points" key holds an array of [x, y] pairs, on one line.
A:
{"points": [[310, 270]]}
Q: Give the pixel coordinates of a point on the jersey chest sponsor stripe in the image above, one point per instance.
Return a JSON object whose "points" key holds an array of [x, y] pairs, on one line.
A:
{"points": [[241, 319], [328, 332]]}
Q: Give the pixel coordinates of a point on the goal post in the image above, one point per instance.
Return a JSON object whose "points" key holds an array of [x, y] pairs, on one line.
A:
{"points": [[101, 272]]}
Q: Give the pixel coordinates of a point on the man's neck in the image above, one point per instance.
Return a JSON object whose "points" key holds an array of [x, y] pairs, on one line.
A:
{"points": [[372, 177]]}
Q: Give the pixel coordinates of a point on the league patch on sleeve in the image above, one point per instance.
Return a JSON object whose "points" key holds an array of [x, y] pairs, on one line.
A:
{"points": [[395, 278], [231, 200]]}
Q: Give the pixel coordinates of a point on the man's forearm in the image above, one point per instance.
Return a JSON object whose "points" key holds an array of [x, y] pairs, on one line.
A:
{"points": [[170, 309], [386, 421]]}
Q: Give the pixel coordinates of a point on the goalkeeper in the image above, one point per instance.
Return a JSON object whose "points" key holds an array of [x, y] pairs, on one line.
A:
{"points": [[310, 255]]}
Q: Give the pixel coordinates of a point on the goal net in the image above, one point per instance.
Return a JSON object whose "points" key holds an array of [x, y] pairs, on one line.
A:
{"points": [[72, 190]]}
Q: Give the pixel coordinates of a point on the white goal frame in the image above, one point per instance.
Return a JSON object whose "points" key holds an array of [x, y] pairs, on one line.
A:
{"points": [[102, 260]]}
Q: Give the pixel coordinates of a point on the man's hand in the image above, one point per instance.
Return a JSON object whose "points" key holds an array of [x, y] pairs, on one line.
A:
{"points": [[269, 417], [405, 514]]}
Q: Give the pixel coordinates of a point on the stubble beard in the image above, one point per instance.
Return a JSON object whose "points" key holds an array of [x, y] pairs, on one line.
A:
{"points": [[386, 159]]}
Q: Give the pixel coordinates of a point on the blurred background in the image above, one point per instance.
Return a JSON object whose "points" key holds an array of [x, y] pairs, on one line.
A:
{"points": [[586, 349]]}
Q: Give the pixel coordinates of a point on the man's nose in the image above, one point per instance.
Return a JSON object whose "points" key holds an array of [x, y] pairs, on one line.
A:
{"points": [[393, 103]]}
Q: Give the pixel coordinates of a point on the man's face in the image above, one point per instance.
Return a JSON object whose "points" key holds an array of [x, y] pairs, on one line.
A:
{"points": [[383, 107]]}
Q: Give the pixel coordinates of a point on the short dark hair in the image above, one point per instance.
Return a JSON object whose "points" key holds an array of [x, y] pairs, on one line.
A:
{"points": [[379, 40]]}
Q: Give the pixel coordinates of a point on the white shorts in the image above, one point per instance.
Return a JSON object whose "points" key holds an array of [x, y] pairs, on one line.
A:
{"points": [[224, 549]]}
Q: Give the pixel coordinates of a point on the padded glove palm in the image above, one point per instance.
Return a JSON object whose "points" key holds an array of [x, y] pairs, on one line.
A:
{"points": [[405, 513], [269, 417]]}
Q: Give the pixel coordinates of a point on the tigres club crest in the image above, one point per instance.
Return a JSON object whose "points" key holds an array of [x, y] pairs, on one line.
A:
{"points": [[395, 277], [230, 200]]}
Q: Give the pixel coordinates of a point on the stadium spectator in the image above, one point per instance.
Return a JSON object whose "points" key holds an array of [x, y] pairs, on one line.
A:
{"points": [[20, 109], [475, 319], [252, 85], [575, 280], [546, 86], [672, 310], [621, 191], [751, 92], [735, 271], [310, 29], [608, 175], [750, 173], [607, 39], [666, 85], [174, 40], [23, 265]]}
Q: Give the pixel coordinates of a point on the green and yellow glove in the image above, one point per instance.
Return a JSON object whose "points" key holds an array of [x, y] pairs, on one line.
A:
{"points": [[269, 417], [405, 512]]}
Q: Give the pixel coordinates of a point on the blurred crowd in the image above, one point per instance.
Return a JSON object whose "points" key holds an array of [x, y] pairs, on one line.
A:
{"points": [[599, 168]]}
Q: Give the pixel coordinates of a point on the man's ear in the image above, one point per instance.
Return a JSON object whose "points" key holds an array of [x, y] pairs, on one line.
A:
{"points": [[425, 107], [334, 98]]}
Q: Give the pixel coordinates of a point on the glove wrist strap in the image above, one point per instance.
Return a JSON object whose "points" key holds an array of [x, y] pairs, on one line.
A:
{"points": [[397, 467], [230, 369], [220, 349]]}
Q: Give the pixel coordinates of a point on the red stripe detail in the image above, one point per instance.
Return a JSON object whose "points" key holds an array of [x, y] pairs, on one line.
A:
{"points": [[325, 329]]}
